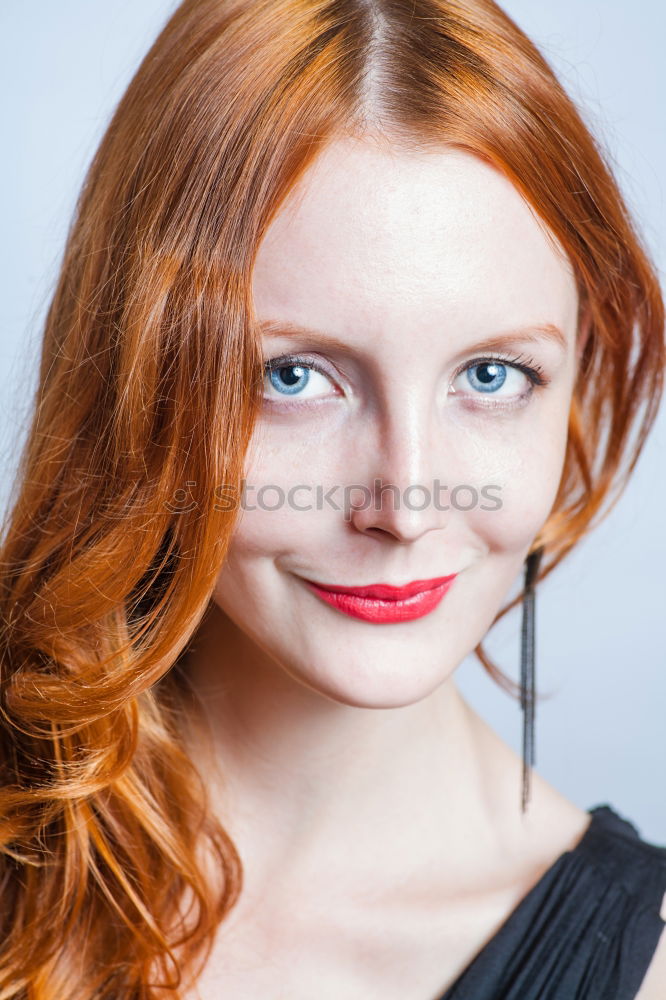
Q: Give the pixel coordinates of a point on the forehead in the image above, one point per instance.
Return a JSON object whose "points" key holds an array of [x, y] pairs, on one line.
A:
{"points": [[379, 233]]}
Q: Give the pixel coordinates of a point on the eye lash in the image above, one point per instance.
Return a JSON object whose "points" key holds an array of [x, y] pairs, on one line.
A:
{"points": [[287, 360], [528, 366]]}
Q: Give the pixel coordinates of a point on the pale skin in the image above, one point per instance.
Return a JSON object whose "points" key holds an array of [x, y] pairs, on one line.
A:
{"points": [[376, 813]]}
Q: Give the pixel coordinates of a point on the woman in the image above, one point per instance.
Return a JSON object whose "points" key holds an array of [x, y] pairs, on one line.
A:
{"points": [[351, 303]]}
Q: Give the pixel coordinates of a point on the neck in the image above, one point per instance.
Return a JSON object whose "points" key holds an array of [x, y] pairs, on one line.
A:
{"points": [[306, 784]]}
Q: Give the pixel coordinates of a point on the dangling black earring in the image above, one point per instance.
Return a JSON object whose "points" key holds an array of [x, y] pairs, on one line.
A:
{"points": [[527, 691]]}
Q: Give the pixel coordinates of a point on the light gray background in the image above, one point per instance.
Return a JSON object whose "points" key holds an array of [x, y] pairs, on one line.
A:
{"points": [[600, 650]]}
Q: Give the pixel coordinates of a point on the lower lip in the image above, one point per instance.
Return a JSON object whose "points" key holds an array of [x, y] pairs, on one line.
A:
{"points": [[373, 609]]}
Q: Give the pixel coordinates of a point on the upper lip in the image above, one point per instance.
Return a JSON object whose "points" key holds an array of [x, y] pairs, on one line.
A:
{"points": [[384, 590]]}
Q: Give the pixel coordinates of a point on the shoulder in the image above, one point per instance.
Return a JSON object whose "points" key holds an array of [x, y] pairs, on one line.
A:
{"points": [[630, 871], [642, 868], [653, 986]]}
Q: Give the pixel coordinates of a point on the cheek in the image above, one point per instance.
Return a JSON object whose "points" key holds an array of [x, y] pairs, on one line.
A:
{"points": [[289, 496], [521, 472]]}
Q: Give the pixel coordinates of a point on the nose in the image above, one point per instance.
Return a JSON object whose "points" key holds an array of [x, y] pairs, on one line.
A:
{"points": [[397, 496]]}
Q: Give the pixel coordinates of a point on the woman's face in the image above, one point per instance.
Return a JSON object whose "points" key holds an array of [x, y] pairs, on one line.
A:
{"points": [[398, 268]]}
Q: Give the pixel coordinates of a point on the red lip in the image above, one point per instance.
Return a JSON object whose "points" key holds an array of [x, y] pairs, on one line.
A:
{"points": [[384, 591], [383, 603]]}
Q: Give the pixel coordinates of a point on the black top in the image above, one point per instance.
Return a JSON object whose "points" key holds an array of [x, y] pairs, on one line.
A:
{"points": [[586, 931]]}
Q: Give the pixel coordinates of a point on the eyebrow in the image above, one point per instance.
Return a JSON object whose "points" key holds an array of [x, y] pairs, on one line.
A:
{"points": [[531, 334]]}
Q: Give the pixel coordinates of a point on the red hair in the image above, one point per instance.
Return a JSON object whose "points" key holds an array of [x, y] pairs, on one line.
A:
{"points": [[151, 377]]}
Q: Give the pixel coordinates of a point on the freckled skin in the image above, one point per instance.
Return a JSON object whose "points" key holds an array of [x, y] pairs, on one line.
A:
{"points": [[411, 259]]}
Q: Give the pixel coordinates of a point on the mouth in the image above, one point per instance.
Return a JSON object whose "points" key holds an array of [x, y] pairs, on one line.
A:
{"points": [[383, 603]]}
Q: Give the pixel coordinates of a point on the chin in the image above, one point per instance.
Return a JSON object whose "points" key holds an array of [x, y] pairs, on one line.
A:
{"points": [[390, 683]]}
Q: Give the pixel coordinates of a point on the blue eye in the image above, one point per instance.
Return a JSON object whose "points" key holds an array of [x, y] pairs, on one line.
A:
{"points": [[304, 379], [289, 379], [509, 380], [487, 376], [294, 376]]}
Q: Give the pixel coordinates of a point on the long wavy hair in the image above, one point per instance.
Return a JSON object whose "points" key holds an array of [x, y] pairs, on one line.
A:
{"points": [[150, 381]]}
